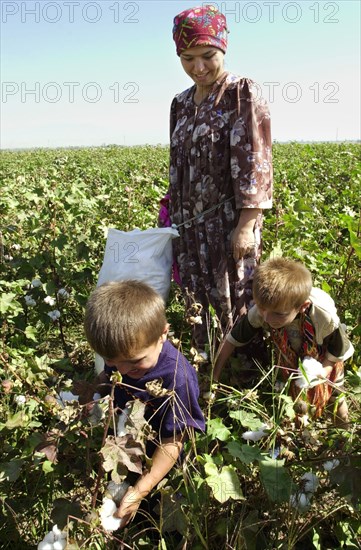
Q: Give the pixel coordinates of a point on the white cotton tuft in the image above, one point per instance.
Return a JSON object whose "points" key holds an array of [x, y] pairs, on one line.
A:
{"points": [[122, 419], [54, 315], [44, 545], [67, 396], [331, 464], [300, 501], [314, 374], [60, 544], [49, 537], [63, 293], [20, 399], [110, 523], [311, 482], [36, 283], [29, 300], [107, 508], [255, 435]]}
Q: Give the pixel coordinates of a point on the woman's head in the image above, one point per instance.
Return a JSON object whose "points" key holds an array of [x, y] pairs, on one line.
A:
{"points": [[200, 26]]}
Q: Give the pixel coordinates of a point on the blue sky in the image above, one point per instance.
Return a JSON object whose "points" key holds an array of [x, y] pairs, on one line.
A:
{"points": [[80, 73]]}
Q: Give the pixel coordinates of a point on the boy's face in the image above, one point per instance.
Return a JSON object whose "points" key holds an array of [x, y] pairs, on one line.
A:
{"points": [[141, 362], [280, 317]]}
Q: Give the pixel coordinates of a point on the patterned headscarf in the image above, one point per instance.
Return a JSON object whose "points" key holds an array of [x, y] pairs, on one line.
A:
{"points": [[203, 26]]}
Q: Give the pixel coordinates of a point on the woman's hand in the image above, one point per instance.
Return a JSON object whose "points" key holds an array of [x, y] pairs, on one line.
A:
{"points": [[242, 240]]}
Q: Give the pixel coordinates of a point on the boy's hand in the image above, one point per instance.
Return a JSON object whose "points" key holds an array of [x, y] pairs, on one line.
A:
{"points": [[129, 505]]}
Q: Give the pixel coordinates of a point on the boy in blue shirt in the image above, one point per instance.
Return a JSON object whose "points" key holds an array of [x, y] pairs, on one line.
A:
{"points": [[125, 323]]}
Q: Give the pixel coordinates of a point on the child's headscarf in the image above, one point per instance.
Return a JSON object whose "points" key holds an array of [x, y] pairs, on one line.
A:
{"points": [[203, 26]]}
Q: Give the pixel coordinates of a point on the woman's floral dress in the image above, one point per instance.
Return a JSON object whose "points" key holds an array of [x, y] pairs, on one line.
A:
{"points": [[220, 162]]}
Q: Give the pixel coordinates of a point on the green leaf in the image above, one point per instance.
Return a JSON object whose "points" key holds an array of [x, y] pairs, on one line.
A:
{"points": [[62, 509], [16, 420], [210, 469], [7, 301], [31, 333], [248, 420], [47, 466], [225, 485], [276, 479], [217, 430], [11, 470], [246, 453]]}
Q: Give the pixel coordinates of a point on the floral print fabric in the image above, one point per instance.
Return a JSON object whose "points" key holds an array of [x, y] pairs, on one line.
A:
{"points": [[220, 162], [202, 26]]}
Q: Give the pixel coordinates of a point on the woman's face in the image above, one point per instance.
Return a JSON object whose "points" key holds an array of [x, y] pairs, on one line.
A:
{"points": [[204, 64]]}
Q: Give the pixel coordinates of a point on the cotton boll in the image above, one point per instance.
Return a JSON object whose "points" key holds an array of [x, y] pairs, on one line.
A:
{"points": [[29, 300], [96, 414], [59, 544], [49, 300], [314, 373], [36, 283], [107, 508], [311, 482], [56, 530], [300, 501], [331, 464], [255, 435], [110, 523], [49, 537], [20, 399], [54, 315], [122, 418], [68, 396], [43, 545]]}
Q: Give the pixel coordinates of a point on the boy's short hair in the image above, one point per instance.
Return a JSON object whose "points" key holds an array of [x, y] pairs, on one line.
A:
{"points": [[123, 317], [281, 283]]}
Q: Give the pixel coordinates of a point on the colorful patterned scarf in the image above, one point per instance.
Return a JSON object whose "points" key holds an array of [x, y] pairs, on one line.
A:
{"points": [[202, 26], [319, 395]]}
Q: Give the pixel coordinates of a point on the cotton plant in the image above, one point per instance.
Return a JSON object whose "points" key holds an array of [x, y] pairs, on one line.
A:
{"points": [[54, 540]]}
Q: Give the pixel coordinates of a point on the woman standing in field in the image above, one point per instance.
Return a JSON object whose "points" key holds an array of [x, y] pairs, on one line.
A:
{"points": [[220, 172]]}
